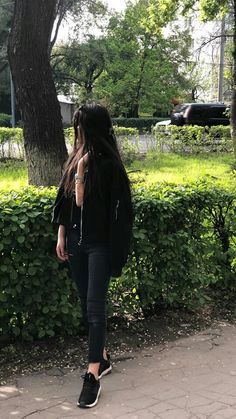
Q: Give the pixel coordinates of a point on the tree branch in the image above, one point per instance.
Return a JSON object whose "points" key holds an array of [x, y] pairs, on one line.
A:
{"points": [[99, 72], [65, 77], [212, 39]]}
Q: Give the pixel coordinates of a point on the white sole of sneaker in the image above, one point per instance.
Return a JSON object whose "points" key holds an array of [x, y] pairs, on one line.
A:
{"points": [[105, 372], [92, 404]]}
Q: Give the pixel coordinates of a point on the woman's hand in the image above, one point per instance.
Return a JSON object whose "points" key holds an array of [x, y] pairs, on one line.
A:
{"points": [[60, 248]]}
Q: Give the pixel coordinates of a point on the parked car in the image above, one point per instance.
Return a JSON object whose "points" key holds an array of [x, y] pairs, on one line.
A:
{"points": [[203, 114], [165, 122]]}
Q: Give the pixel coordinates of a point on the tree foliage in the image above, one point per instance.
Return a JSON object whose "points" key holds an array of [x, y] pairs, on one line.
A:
{"points": [[78, 65], [143, 74], [137, 67]]}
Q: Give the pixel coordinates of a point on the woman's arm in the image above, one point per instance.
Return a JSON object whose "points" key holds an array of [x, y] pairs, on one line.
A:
{"points": [[79, 185], [61, 239]]}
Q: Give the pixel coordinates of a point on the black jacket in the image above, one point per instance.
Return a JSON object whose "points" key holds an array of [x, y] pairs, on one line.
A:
{"points": [[106, 214]]}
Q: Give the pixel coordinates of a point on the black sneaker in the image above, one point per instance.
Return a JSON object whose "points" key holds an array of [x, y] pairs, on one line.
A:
{"points": [[90, 391], [105, 367]]}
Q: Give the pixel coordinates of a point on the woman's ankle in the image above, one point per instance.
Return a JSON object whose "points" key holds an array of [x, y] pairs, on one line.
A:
{"points": [[105, 354], [94, 368]]}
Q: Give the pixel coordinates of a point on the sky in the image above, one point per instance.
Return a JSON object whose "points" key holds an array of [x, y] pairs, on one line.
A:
{"points": [[116, 4]]}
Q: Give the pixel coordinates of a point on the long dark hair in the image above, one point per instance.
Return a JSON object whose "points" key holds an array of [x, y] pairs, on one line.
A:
{"points": [[92, 122]]}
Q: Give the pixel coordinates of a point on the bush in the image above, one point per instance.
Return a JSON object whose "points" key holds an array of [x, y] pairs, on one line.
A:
{"points": [[142, 124], [15, 135], [128, 143], [128, 149], [183, 245], [193, 139], [119, 131], [5, 120], [9, 136], [37, 296], [124, 131]]}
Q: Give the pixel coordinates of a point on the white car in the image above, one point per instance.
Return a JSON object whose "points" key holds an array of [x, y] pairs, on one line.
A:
{"points": [[166, 122]]}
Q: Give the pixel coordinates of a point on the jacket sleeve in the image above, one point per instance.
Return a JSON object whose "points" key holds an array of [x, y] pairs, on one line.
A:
{"points": [[61, 208], [121, 220]]}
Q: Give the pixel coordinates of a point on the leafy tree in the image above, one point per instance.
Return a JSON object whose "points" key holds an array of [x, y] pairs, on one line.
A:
{"points": [[143, 69], [210, 10], [78, 66], [82, 12]]}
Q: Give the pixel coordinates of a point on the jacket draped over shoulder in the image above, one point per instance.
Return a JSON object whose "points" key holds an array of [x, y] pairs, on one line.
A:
{"points": [[120, 211]]}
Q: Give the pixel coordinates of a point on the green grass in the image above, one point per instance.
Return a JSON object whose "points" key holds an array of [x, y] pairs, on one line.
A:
{"points": [[178, 169], [13, 175], [155, 168]]}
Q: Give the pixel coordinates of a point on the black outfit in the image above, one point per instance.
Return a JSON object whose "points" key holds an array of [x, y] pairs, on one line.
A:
{"points": [[90, 267], [98, 236]]}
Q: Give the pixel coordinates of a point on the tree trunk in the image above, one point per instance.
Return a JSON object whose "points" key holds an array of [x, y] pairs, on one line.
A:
{"points": [[35, 91], [133, 112], [233, 103]]}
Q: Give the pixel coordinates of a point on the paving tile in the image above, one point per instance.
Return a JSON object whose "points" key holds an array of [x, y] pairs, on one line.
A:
{"points": [[214, 407], [190, 400], [140, 414], [7, 392], [160, 407], [191, 378], [224, 398], [140, 402], [171, 393], [175, 414], [224, 413]]}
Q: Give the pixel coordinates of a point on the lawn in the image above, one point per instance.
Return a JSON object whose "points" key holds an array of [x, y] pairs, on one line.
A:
{"points": [[179, 169], [13, 175], [154, 168]]}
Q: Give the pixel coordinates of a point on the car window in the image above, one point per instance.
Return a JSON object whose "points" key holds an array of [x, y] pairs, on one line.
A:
{"points": [[197, 112], [179, 108], [217, 112]]}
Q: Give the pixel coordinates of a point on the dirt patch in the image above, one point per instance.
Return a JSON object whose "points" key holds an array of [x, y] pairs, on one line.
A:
{"points": [[65, 354]]}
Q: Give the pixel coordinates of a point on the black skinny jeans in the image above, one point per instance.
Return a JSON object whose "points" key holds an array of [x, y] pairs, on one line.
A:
{"points": [[91, 270]]}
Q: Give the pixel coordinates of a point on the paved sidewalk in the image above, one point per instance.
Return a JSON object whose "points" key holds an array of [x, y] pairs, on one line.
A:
{"points": [[190, 378]]}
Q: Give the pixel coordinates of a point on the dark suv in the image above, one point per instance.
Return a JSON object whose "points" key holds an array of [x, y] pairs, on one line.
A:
{"points": [[204, 114]]}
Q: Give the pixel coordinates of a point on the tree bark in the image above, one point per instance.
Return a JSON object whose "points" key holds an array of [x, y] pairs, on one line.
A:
{"points": [[134, 110], [233, 103], [35, 90]]}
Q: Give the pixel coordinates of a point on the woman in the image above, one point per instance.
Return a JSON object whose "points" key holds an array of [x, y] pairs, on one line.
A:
{"points": [[93, 208]]}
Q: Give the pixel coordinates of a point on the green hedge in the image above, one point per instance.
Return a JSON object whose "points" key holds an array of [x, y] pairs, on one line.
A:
{"points": [[9, 136], [15, 135], [119, 131], [36, 295], [5, 120], [192, 139], [128, 150], [186, 139], [183, 245], [142, 124]]}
